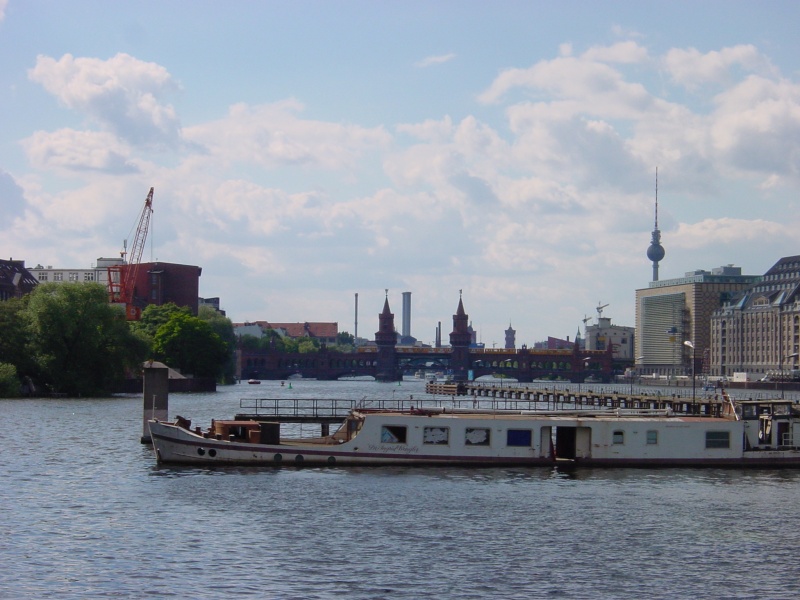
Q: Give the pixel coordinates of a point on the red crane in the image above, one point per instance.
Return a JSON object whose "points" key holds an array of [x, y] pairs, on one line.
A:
{"points": [[122, 278]]}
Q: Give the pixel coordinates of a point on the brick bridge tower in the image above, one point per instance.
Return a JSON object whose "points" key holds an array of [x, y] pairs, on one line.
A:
{"points": [[386, 341], [460, 340]]}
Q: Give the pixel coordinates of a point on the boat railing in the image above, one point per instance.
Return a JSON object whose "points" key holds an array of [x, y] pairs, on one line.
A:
{"points": [[296, 407], [340, 407], [331, 408]]}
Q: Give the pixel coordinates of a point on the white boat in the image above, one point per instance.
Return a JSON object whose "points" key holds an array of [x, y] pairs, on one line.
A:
{"points": [[754, 433]]}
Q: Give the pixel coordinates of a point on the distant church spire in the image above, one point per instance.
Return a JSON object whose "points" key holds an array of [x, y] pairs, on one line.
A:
{"points": [[656, 251]]}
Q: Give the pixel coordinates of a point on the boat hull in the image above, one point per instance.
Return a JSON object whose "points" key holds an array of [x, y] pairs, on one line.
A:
{"points": [[175, 445], [590, 443]]}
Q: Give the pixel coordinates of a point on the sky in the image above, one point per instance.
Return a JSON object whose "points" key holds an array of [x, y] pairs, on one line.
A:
{"points": [[303, 152]]}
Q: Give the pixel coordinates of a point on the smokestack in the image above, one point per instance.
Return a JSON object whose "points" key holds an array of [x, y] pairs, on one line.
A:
{"points": [[406, 332]]}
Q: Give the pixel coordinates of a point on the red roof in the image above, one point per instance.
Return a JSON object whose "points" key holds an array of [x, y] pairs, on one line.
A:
{"points": [[299, 330]]}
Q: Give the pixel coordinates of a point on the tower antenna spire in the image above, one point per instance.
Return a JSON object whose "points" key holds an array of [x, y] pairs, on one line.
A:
{"points": [[656, 198], [656, 251]]}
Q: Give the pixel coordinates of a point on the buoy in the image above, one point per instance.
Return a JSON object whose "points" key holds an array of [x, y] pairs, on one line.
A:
{"points": [[290, 385]]}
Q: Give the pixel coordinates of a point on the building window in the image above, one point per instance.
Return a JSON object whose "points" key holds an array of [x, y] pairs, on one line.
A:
{"points": [[393, 434], [88, 276], [476, 436], [718, 439], [652, 437], [618, 437], [73, 276], [436, 435], [58, 277], [42, 276], [520, 438]]}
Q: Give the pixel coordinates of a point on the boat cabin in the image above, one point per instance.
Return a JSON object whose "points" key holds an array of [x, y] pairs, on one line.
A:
{"points": [[770, 424]]}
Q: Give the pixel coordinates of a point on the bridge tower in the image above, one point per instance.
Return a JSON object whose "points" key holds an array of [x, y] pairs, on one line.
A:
{"points": [[460, 339], [386, 341]]}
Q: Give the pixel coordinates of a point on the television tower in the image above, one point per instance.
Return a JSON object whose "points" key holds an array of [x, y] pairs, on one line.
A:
{"points": [[656, 251]]}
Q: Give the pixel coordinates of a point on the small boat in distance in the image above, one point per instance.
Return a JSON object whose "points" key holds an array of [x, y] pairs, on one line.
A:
{"points": [[254, 381], [756, 433]]}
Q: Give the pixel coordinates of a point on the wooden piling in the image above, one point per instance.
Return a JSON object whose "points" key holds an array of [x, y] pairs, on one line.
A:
{"points": [[155, 396]]}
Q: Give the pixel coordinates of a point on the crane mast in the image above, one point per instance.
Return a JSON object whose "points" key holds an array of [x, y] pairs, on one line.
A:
{"points": [[122, 278]]}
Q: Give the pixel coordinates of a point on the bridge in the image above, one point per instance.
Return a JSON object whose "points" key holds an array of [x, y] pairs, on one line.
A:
{"points": [[386, 361]]}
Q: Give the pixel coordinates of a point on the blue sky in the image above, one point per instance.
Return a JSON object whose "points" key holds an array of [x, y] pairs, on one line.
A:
{"points": [[302, 152]]}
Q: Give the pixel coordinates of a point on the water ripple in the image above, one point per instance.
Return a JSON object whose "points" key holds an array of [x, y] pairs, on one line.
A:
{"points": [[87, 514]]}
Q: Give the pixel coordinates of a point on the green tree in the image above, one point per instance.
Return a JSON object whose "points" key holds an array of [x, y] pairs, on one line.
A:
{"points": [[189, 344], [307, 345], [14, 337], [9, 382], [154, 316], [222, 326], [287, 344], [250, 342], [81, 344], [345, 339]]}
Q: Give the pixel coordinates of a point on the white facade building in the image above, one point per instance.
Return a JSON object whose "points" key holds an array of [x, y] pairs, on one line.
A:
{"points": [[98, 273], [599, 336]]}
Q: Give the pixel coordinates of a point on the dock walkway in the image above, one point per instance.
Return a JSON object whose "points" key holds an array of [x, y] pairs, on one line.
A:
{"points": [[537, 398]]}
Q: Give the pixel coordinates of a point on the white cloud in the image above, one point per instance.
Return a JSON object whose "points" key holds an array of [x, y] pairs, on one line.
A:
{"points": [[3, 5], [756, 127], [121, 94], [691, 68], [623, 52], [589, 85], [621, 32], [67, 149], [429, 130], [726, 231], [434, 60], [274, 135]]}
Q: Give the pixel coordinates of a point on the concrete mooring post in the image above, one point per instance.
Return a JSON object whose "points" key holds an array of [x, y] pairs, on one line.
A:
{"points": [[155, 394]]}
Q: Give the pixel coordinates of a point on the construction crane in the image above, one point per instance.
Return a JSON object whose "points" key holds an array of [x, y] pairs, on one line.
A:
{"points": [[600, 308], [122, 278]]}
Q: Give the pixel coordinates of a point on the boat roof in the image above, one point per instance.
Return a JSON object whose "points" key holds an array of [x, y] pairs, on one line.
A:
{"points": [[527, 415]]}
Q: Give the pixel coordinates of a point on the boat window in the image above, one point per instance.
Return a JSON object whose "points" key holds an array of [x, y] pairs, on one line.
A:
{"points": [[652, 436], [519, 437], [718, 439], [393, 434], [435, 435], [476, 436], [618, 437], [781, 409], [749, 411]]}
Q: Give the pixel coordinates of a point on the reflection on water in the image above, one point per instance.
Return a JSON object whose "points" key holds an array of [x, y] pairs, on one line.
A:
{"points": [[86, 513]]}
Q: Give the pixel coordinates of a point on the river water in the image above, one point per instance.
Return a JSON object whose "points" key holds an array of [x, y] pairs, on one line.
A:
{"points": [[86, 513]]}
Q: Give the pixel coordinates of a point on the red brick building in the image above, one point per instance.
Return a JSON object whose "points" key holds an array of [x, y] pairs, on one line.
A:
{"points": [[160, 283]]}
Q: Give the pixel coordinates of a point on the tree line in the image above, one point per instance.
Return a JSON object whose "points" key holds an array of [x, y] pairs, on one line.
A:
{"points": [[65, 338]]}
